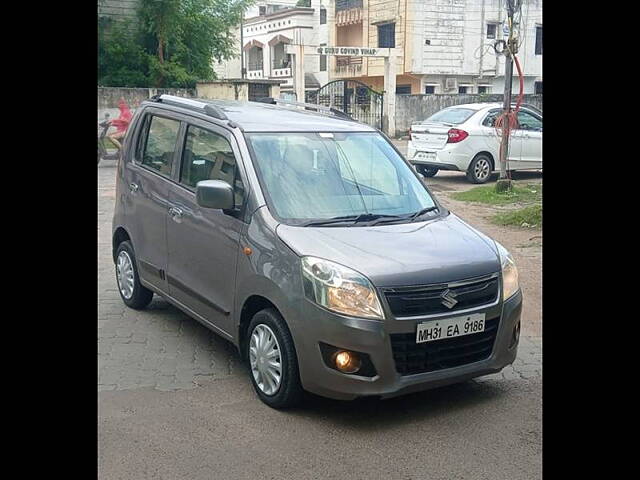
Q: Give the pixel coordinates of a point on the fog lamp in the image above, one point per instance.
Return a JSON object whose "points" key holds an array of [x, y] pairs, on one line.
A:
{"points": [[347, 362]]}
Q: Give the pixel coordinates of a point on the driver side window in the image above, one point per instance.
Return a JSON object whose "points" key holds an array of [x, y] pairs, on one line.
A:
{"points": [[526, 121], [208, 156]]}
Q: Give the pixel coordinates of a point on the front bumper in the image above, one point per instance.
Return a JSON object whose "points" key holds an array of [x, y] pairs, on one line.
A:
{"points": [[373, 337]]}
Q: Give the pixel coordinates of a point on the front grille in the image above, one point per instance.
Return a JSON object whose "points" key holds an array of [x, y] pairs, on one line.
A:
{"points": [[427, 299], [412, 357]]}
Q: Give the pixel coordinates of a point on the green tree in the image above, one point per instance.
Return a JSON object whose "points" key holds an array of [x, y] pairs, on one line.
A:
{"points": [[175, 44], [186, 36], [122, 61]]}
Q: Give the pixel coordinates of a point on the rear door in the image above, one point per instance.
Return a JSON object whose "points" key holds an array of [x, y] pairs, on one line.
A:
{"points": [[203, 243], [491, 140], [147, 179], [530, 126]]}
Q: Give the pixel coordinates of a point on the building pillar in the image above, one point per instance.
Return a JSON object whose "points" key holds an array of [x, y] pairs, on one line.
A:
{"points": [[389, 103], [298, 76]]}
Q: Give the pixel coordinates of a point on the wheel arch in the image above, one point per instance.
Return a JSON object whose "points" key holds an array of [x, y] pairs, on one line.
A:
{"points": [[252, 305], [119, 235], [488, 154]]}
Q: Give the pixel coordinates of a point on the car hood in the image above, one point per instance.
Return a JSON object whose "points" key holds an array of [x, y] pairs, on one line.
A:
{"points": [[436, 251]]}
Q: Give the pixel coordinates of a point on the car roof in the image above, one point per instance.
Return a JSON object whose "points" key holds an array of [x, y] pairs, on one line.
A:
{"points": [[476, 106], [264, 117]]}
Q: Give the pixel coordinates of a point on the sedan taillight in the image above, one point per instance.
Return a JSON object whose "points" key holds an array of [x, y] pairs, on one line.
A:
{"points": [[456, 135]]}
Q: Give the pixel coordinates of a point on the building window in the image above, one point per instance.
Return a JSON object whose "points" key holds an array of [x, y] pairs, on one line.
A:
{"points": [[263, 10], [538, 40], [387, 35], [323, 16], [483, 89], [538, 86], [429, 89], [403, 88], [491, 30], [323, 60], [462, 89]]}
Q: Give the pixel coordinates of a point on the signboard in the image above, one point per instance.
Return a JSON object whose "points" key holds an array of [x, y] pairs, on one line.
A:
{"points": [[348, 51], [353, 51]]}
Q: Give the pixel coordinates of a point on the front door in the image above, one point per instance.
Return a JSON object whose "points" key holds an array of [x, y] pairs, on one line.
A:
{"points": [[203, 244], [147, 181]]}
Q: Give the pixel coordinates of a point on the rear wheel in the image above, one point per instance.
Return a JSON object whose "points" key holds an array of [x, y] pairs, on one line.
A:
{"points": [[272, 360], [480, 169], [132, 292], [426, 171]]}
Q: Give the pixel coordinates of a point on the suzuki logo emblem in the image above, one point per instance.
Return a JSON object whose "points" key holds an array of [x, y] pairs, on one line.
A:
{"points": [[449, 298]]}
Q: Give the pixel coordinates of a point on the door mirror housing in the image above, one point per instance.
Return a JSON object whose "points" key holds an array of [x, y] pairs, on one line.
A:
{"points": [[214, 194]]}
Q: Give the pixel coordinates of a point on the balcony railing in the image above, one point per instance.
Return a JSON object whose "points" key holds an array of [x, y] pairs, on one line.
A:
{"points": [[255, 70]]}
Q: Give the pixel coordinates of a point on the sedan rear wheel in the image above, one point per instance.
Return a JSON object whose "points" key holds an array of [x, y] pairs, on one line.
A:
{"points": [[480, 169]]}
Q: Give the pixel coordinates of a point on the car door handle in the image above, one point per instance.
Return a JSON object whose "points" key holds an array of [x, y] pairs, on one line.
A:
{"points": [[176, 213], [133, 187]]}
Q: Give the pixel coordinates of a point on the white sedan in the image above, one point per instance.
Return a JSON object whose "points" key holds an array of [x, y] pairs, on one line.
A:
{"points": [[463, 138]]}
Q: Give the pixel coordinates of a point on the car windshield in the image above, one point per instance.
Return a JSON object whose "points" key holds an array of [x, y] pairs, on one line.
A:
{"points": [[324, 176], [453, 116]]}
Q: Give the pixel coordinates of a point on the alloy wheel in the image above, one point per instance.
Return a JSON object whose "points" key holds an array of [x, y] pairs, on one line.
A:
{"points": [[482, 169], [265, 359], [124, 270]]}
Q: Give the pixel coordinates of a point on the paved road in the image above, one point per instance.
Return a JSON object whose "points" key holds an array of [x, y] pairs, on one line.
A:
{"points": [[175, 402]]}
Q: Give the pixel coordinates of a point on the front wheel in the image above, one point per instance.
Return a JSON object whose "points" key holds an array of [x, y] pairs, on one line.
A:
{"points": [[480, 169], [272, 360], [426, 171]]}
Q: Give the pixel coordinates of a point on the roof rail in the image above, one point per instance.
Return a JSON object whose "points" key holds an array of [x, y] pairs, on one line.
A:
{"points": [[307, 106], [207, 108]]}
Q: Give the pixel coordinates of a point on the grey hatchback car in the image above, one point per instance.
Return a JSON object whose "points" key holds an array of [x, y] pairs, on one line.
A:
{"points": [[310, 243]]}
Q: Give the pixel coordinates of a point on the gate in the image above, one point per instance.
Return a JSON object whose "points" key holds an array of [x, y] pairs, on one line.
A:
{"points": [[354, 98]]}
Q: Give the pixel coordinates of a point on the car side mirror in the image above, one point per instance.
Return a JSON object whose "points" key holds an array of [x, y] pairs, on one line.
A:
{"points": [[214, 194]]}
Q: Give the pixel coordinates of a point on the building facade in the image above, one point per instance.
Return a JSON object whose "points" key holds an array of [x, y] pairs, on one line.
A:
{"points": [[267, 29], [446, 46]]}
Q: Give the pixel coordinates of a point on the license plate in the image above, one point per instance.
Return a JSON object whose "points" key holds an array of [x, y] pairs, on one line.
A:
{"points": [[427, 156], [450, 328]]}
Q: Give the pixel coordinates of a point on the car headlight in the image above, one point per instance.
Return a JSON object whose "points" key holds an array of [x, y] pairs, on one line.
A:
{"points": [[339, 289], [510, 283]]}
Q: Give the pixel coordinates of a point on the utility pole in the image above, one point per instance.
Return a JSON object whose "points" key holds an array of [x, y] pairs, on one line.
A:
{"points": [[503, 182], [242, 69]]}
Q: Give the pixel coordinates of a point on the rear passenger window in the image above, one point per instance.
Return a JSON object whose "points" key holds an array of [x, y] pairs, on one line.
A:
{"points": [[490, 119], [160, 143], [208, 156]]}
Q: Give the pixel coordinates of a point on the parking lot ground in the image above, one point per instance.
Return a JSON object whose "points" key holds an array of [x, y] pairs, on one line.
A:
{"points": [[175, 402]]}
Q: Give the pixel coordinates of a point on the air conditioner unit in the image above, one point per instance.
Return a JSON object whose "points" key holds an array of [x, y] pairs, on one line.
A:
{"points": [[451, 83]]}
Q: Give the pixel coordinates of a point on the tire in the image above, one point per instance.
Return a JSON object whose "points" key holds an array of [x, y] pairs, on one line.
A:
{"points": [[426, 171], [133, 293], [480, 169], [288, 392]]}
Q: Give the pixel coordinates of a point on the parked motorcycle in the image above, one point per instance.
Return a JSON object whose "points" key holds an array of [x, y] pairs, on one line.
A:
{"points": [[103, 153]]}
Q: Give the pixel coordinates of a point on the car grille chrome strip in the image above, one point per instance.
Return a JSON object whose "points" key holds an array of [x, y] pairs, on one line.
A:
{"points": [[436, 300]]}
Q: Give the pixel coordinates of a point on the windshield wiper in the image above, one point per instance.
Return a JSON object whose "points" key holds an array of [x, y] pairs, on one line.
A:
{"points": [[347, 219], [422, 212], [367, 217]]}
